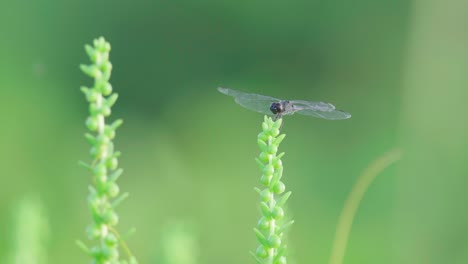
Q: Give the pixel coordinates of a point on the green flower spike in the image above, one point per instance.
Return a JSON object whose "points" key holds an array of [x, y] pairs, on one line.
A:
{"points": [[270, 227], [104, 193]]}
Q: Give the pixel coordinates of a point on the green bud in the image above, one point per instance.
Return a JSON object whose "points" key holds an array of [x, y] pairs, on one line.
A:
{"points": [[111, 218], [274, 132], [93, 109], [100, 170], [279, 187], [263, 223], [103, 139], [261, 252], [106, 89], [113, 189], [265, 195], [266, 179], [268, 170], [274, 241], [93, 232], [277, 213], [264, 157], [92, 123], [110, 252], [278, 164], [111, 240], [112, 163], [106, 110], [272, 149]]}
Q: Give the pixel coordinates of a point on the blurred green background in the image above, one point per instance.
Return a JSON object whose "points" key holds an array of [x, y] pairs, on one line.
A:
{"points": [[400, 67]]}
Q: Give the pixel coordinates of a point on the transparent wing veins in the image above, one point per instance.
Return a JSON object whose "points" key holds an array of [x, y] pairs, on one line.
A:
{"points": [[256, 102], [319, 109], [319, 106]]}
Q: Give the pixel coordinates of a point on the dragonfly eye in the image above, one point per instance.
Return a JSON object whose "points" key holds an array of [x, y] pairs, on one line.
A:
{"points": [[276, 108]]}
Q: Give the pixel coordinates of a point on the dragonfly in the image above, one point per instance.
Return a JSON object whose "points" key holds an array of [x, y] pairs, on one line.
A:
{"points": [[278, 108]]}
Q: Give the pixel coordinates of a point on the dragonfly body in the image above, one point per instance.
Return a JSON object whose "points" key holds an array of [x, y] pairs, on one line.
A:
{"points": [[279, 108]]}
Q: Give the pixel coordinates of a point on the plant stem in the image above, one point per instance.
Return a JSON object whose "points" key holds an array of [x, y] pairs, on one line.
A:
{"points": [[272, 249], [104, 194], [353, 201]]}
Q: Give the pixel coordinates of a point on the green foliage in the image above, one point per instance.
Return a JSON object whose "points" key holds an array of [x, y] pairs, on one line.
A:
{"points": [[179, 244], [270, 228], [31, 233], [104, 193]]}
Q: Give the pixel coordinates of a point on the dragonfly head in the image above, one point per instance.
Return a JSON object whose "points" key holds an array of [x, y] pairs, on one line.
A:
{"points": [[277, 108]]}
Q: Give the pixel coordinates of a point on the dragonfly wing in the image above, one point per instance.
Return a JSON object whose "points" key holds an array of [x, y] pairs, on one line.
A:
{"points": [[319, 109], [319, 106], [330, 115], [256, 102]]}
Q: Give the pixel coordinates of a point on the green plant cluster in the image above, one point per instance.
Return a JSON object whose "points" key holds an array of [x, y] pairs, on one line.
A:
{"points": [[104, 193], [270, 230]]}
